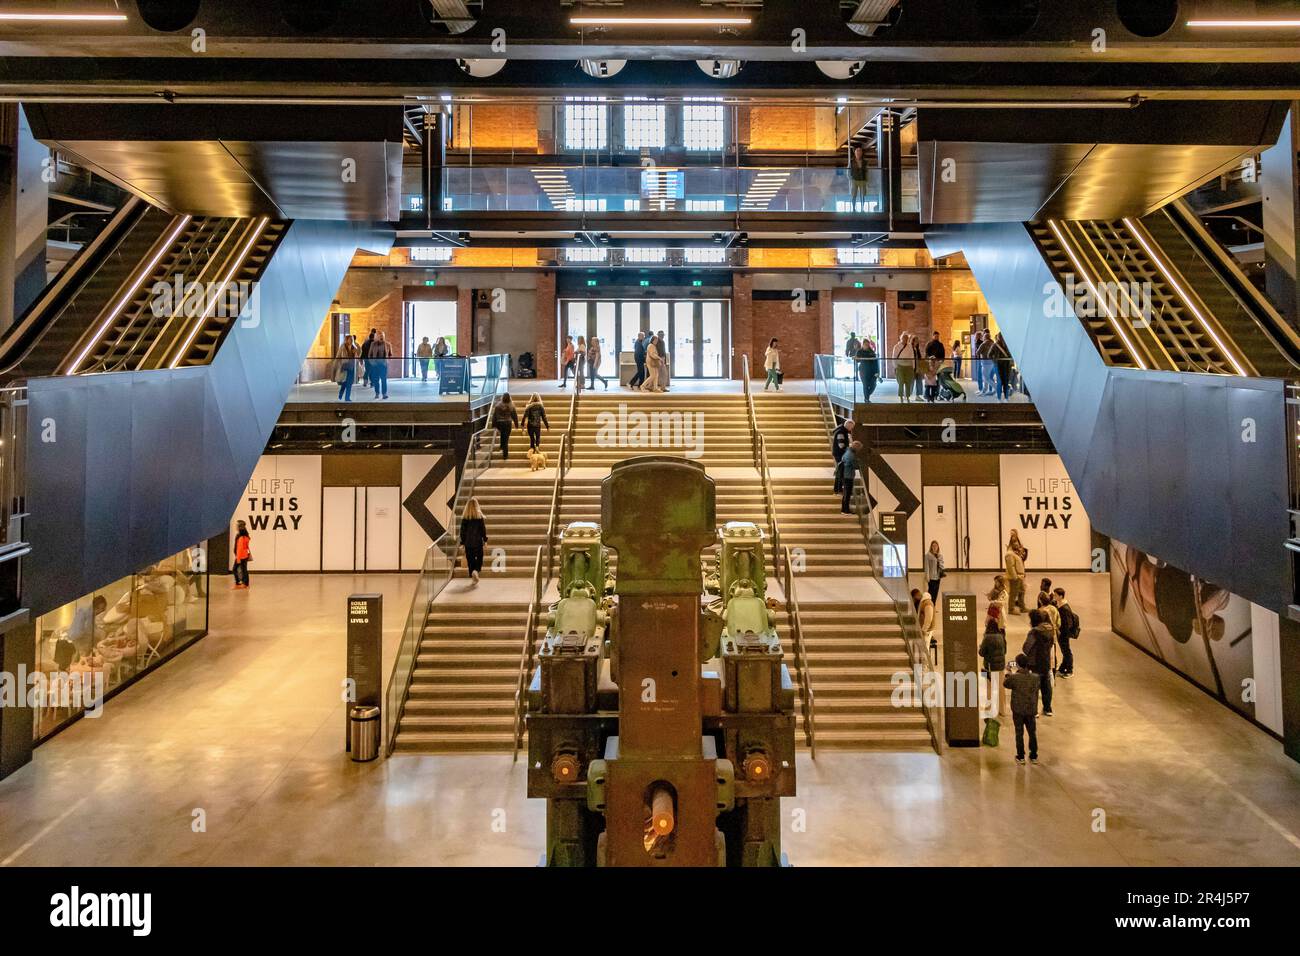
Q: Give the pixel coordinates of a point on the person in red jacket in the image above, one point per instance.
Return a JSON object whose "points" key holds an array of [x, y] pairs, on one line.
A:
{"points": [[243, 554]]}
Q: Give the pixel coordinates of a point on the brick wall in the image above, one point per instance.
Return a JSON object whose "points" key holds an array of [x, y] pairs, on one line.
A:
{"points": [[742, 320], [544, 329], [791, 127], [496, 126], [801, 334]]}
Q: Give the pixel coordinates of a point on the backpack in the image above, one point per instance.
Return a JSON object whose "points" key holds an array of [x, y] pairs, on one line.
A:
{"points": [[1069, 622], [991, 728]]}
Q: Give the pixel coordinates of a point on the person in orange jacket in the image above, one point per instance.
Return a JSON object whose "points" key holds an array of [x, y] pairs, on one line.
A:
{"points": [[243, 554]]}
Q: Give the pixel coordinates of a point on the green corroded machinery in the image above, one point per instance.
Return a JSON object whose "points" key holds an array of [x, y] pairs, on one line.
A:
{"points": [[672, 742]]}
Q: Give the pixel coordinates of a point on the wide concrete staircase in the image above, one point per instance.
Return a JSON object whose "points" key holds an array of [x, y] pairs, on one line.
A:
{"points": [[607, 428], [462, 695]]}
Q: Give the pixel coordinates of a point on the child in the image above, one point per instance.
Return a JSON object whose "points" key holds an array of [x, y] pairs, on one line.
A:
{"points": [[1024, 708]]}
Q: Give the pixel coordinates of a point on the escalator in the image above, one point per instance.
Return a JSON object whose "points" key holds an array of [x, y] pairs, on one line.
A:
{"points": [[1158, 293], [1162, 382]]}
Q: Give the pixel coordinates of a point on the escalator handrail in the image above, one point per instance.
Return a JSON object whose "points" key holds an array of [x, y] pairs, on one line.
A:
{"points": [[1284, 338], [15, 348]]}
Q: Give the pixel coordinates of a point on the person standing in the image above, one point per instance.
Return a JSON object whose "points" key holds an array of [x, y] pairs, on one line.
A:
{"points": [[772, 365], [840, 440], [504, 418], [868, 368], [1015, 569], [423, 354], [380, 353], [580, 354], [851, 349], [904, 370], [846, 472], [988, 370], [534, 419], [1069, 630], [593, 364], [976, 362], [243, 555], [1024, 686], [993, 651], [345, 367], [934, 357], [1038, 648], [568, 360], [1002, 357], [998, 595], [956, 358], [474, 537], [666, 368], [918, 379], [366, 346], [934, 570], [924, 614], [654, 365], [441, 350], [638, 356], [858, 177]]}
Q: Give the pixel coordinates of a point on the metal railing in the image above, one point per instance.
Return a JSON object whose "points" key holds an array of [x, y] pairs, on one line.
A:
{"points": [[526, 652], [759, 446], [807, 699], [435, 575], [562, 463]]}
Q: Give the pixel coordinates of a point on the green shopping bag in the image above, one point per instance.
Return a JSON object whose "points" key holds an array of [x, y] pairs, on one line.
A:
{"points": [[991, 729]]}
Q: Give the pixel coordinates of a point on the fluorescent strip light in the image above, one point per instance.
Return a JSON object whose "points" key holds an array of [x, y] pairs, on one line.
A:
{"points": [[127, 296], [660, 21], [66, 17], [1246, 24]]}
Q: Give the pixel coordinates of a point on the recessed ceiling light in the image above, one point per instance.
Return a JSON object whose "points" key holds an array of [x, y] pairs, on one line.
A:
{"points": [[66, 17], [1246, 24], [660, 21]]}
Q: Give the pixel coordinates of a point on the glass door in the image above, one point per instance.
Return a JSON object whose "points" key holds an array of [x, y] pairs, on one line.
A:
{"points": [[712, 340], [696, 332], [683, 338]]}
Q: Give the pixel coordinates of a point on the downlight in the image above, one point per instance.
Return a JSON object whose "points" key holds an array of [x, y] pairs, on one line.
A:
{"points": [[602, 69], [841, 69], [481, 69], [167, 16], [720, 69]]}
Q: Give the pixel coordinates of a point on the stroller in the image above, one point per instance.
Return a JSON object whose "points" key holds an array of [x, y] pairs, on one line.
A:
{"points": [[527, 366], [949, 388]]}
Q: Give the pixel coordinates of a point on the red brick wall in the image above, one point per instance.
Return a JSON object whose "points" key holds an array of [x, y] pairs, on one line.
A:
{"points": [[801, 334], [544, 327], [742, 320]]}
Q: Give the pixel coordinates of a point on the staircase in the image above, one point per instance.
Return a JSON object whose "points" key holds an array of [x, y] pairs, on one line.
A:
{"points": [[606, 430], [854, 650], [463, 687]]}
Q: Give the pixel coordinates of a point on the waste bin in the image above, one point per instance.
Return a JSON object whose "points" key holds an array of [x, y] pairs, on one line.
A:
{"points": [[365, 732]]}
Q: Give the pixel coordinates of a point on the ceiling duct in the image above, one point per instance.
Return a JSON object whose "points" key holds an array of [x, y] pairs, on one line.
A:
{"points": [[454, 16], [866, 17], [602, 69]]}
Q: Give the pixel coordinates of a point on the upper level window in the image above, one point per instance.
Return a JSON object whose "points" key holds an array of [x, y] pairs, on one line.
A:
{"points": [[430, 253], [645, 254], [702, 124], [704, 205], [586, 254], [859, 255], [586, 123], [644, 125], [705, 254]]}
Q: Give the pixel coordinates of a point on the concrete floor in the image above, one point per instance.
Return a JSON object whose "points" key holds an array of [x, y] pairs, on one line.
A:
{"points": [[247, 726]]}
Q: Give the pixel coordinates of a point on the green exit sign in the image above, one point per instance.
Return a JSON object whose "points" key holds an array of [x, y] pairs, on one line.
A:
{"points": [[857, 285], [430, 281], [591, 282], [697, 282], [645, 281]]}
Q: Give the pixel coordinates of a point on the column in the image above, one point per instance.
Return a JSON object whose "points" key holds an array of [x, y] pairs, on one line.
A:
{"points": [[742, 322], [1281, 192]]}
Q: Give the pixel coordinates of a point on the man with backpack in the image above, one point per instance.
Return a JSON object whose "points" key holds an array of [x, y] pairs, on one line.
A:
{"points": [[1024, 685], [840, 440], [1038, 649], [1069, 630]]}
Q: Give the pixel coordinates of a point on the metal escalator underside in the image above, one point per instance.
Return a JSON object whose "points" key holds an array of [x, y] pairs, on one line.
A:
{"points": [[152, 291], [1158, 293]]}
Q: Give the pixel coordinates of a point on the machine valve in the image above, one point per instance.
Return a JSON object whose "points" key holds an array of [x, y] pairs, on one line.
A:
{"points": [[757, 767], [565, 768]]}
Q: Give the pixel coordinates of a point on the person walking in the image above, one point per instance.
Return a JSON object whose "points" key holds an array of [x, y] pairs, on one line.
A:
{"points": [[934, 570], [504, 418], [593, 364], [1024, 686], [976, 362], [904, 369], [380, 353], [366, 346], [568, 360], [851, 348], [956, 358], [859, 175], [473, 537], [243, 555], [993, 652], [934, 357], [666, 369], [847, 471], [1015, 568], [423, 355], [840, 440], [1038, 648], [868, 363], [580, 353], [998, 594], [988, 370], [345, 367], [534, 419], [638, 356], [654, 364], [1069, 630], [1002, 357], [441, 350], [924, 614], [772, 364]]}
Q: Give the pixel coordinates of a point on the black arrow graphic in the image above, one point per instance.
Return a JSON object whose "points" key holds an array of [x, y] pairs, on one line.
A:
{"points": [[415, 503], [907, 502]]}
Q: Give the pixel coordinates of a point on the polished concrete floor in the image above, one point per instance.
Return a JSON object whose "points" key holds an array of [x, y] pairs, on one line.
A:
{"points": [[244, 732]]}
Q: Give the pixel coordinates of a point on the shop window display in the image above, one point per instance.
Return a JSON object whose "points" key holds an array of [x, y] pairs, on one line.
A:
{"points": [[101, 642]]}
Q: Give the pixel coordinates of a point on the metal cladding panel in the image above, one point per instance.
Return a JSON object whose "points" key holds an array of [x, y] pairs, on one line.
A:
{"points": [[1160, 459], [148, 463]]}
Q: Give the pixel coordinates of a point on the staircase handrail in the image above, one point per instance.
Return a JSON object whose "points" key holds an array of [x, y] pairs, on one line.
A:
{"points": [[807, 698], [759, 446], [527, 646]]}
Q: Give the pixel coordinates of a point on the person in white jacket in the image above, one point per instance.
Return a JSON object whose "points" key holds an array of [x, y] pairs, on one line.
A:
{"points": [[772, 363]]}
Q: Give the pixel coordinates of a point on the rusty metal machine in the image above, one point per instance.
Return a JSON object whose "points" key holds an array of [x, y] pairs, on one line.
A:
{"points": [[668, 741]]}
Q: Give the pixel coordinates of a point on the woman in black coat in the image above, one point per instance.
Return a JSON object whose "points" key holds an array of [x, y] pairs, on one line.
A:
{"points": [[473, 535]]}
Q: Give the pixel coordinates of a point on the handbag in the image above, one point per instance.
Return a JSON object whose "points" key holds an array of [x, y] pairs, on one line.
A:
{"points": [[780, 377], [991, 730]]}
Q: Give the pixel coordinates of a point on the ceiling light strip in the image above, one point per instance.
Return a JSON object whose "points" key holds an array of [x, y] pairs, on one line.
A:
{"points": [[660, 21], [63, 17], [221, 290], [1245, 24]]}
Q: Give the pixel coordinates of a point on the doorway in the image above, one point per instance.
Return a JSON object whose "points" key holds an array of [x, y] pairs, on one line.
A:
{"points": [[965, 520], [432, 318], [698, 331]]}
